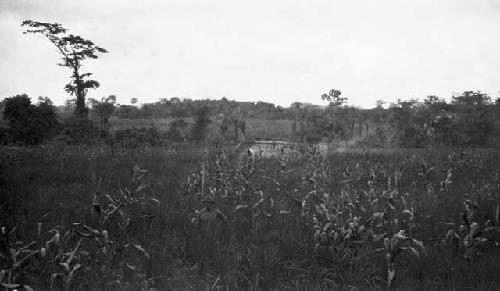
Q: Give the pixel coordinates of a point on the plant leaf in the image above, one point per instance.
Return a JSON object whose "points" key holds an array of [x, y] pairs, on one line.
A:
{"points": [[418, 243], [401, 235], [76, 267], [497, 213], [65, 265], [141, 187], [391, 273], [23, 260], [413, 250], [241, 206], [154, 200], [11, 286], [141, 249]]}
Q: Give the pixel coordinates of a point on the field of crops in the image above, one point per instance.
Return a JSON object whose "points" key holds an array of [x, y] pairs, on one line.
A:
{"points": [[84, 218]]}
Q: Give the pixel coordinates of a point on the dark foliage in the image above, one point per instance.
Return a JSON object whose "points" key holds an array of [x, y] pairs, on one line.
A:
{"points": [[176, 108], [129, 112], [200, 126], [28, 123], [78, 131], [177, 130], [469, 120], [104, 109], [135, 137]]}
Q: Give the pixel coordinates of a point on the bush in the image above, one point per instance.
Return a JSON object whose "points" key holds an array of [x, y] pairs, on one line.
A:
{"points": [[199, 129], [28, 123], [177, 130], [135, 137], [5, 136], [78, 131], [375, 140]]}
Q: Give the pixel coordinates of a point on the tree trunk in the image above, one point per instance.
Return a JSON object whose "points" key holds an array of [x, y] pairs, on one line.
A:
{"points": [[80, 111], [294, 125], [353, 124], [360, 125], [333, 125], [223, 129]]}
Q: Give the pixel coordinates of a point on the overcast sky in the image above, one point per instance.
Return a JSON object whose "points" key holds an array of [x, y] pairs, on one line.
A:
{"points": [[277, 51]]}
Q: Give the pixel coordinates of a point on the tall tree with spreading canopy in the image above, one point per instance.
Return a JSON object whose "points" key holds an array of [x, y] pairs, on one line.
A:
{"points": [[74, 50]]}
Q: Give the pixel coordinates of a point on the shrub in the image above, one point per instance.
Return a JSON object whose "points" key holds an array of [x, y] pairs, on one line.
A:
{"points": [[135, 137], [202, 119], [28, 123], [78, 131], [177, 130], [375, 140]]}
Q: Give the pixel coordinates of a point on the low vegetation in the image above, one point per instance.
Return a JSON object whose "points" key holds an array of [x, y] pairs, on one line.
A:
{"points": [[148, 218]]}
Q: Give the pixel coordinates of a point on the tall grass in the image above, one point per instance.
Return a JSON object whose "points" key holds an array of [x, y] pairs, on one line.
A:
{"points": [[301, 222]]}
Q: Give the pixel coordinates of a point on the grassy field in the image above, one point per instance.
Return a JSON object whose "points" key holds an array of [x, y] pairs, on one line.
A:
{"points": [[80, 218], [264, 129]]}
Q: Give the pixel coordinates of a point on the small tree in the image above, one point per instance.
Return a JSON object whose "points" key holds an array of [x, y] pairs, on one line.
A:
{"points": [[471, 98], [476, 117], [239, 124], [335, 101], [409, 126], [74, 50], [296, 109], [334, 98], [201, 123], [223, 123], [177, 129], [104, 109]]}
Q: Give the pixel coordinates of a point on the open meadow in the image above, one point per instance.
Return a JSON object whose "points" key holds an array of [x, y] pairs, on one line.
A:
{"points": [[255, 128], [84, 218]]}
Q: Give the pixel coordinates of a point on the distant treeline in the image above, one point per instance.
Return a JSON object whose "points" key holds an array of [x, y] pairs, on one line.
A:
{"points": [[469, 119], [177, 108]]}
